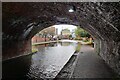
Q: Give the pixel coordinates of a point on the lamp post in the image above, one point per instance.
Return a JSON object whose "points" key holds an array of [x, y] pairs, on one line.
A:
{"points": [[45, 35]]}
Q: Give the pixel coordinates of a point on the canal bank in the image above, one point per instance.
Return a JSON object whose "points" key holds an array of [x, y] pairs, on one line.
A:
{"points": [[47, 42], [67, 71], [82, 42]]}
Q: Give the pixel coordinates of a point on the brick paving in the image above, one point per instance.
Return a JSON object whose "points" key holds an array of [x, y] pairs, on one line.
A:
{"points": [[90, 65]]}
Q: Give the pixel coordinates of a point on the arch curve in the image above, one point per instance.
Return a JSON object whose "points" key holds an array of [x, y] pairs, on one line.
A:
{"points": [[23, 20]]}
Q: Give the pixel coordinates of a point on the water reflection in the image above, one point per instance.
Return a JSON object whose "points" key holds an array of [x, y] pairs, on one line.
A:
{"points": [[65, 43], [16, 69], [46, 63]]}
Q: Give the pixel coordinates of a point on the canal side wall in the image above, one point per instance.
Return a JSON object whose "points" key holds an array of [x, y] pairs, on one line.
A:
{"points": [[97, 46], [110, 52], [16, 49]]}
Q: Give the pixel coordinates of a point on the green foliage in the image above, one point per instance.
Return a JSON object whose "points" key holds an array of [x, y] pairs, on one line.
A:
{"points": [[86, 40], [78, 47], [70, 36], [81, 33], [34, 50]]}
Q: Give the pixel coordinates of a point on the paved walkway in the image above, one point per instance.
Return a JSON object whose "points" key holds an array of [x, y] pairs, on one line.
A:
{"points": [[90, 65]]}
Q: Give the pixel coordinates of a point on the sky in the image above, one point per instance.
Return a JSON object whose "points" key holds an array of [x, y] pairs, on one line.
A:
{"points": [[64, 26]]}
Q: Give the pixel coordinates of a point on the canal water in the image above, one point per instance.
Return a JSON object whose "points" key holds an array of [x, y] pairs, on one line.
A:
{"points": [[46, 63]]}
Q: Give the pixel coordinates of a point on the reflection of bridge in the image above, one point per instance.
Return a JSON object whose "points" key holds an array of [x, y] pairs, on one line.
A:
{"points": [[21, 21]]}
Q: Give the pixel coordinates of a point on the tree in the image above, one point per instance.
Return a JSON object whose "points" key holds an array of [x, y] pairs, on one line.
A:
{"points": [[79, 32]]}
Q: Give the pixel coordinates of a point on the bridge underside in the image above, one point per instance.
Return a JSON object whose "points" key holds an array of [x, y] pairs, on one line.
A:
{"points": [[21, 21]]}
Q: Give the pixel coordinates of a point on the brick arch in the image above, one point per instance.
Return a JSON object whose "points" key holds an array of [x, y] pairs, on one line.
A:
{"points": [[21, 21]]}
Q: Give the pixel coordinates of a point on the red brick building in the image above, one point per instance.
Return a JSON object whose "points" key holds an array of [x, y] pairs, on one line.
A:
{"points": [[44, 35]]}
